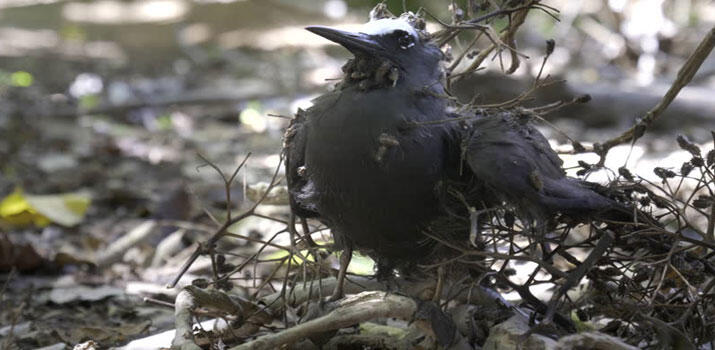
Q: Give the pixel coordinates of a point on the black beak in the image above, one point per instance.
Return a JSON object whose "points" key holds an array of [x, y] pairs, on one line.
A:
{"points": [[355, 42]]}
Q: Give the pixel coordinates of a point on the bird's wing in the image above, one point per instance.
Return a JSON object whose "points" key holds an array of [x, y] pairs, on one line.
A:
{"points": [[513, 159], [294, 141]]}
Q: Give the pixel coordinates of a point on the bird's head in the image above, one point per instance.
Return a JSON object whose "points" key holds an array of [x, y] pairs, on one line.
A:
{"points": [[392, 50]]}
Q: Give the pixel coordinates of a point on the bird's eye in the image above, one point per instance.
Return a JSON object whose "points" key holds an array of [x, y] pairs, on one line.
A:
{"points": [[404, 39]]}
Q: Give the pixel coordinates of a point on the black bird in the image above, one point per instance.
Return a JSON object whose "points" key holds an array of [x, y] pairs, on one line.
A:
{"points": [[371, 158]]}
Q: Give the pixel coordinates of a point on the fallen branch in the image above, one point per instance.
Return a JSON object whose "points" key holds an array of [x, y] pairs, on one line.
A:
{"points": [[352, 310], [592, 340], [253, 315], [192, 298]]}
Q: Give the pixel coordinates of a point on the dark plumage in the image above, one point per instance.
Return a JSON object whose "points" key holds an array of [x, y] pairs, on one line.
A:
{"points": [[516, 163], [372, 158]]}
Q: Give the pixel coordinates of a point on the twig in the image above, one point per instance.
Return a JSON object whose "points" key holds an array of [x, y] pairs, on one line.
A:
{"points": [[221, 231], [227, 182], [517, 21], [685, 75], [158, 302]]}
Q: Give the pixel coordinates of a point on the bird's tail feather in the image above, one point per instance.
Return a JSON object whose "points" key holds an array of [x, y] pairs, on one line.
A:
{"points": [[585, 199]]}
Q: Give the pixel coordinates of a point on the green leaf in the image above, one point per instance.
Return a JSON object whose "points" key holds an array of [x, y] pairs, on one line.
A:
{"points": [[21, 79]]}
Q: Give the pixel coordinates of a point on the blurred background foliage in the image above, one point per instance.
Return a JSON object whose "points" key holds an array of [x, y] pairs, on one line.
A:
{"points": [[89, 84], [116, 52]]}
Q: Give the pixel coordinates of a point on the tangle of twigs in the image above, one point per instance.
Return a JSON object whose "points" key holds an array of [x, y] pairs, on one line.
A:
{"points": [[651, 284]]}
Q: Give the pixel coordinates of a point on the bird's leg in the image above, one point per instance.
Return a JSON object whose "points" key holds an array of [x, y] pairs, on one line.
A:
{"points": [[344, 262], [291, 230], [306, 233], [293, 244]]}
